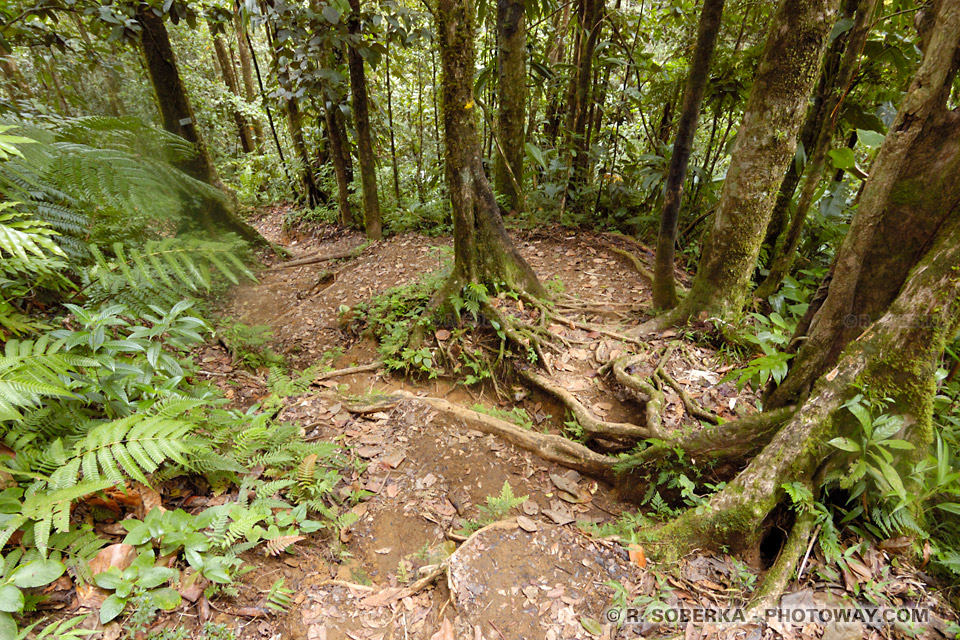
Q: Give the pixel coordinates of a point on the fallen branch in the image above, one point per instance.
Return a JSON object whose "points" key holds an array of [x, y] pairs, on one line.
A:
{"points": [[317, 257], [336, 373]]}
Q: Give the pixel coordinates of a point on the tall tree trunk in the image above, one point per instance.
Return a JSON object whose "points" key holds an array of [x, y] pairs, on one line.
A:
{"points": [[339, 154], [246, 74], [393, 140], [230, 80], [361, 116], [512, 83], [312, 193], [766, 143], [787, 249], [483, 252], [916, 313], [178, 118], [591, 15], [911, 194], [664, 287], [561, 24]]}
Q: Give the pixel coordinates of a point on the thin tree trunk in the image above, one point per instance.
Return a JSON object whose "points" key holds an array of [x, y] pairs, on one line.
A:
{"points": [[512, 84], [664, 287], [393, 141], [551, 127], [246, 73], [178, 118], [338, 153], [230, 80], [17, 87], [766, 142], [361, 116], [591, 15], [311, 191]]}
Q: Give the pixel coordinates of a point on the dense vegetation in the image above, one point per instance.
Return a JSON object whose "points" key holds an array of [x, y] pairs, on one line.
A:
{"points": [[799, 157]]}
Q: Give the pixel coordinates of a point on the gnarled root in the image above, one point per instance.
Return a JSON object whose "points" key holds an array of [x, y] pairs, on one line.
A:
{"points": [[775, 581], [549, 447], [592, 426]]}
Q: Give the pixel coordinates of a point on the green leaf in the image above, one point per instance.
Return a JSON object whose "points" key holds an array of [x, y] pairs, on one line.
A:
{"points": [[37, 573], [165, 598], [331, 14], [154, 577], [843, 158], [950, 507], [111, 608], [870, 139], [8, 627], [845, 444], [11, 599], [111, 579], [591, 625]]}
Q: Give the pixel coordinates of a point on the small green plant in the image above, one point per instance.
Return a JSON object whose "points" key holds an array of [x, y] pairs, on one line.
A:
{"points": [[516, 415], [142, 583], [496, 508], [248, 345]]}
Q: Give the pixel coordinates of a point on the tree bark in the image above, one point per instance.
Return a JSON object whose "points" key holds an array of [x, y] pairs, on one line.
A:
{"points": [[512, 83], [313, 195], [483, 252], [664, 287], [176, 114], [590, 17], [828, 115], [230, 80], [912, 192], [246, 73], [361, 115], [339, 154], [393, 140], [766, 143]]}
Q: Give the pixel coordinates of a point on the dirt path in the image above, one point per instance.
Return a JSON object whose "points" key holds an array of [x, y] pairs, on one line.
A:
{"points": [[544, 576]]}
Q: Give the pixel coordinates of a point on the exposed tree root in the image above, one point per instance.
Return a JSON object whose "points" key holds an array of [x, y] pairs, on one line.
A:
{"points": [[692, 406], [549, 447], [593, 427], [372, 366], [634, 260]]}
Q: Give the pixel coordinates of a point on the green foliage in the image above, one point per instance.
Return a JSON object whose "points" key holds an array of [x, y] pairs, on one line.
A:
{"points": [[142, 581], [516, 415], [496, 508], [248, 344]]}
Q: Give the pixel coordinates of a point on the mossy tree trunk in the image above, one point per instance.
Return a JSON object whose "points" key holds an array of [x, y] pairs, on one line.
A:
{"points": [[664, 287], [308, 182], [512, 84], [176, 114], [230, 81], [912, 192], [837, 86], [896, 356], [483, 252], [766, 142], [361, 117]]}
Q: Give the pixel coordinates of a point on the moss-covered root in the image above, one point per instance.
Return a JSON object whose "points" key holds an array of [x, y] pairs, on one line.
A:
{"points": [[691, 405], [548, 447], [733, 441], [776, 579], [643, 389], [593, 427]]}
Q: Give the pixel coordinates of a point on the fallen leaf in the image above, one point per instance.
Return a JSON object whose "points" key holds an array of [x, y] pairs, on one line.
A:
{"points": [[445, 632], [637, 555], [527, 524], [591, 626]]}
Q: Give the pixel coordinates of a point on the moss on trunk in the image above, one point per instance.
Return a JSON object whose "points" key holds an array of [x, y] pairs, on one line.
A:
{"points": [[765, 145]]}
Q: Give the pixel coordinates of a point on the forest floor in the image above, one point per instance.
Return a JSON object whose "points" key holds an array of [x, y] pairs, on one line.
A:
{"points": [[545, 572]]}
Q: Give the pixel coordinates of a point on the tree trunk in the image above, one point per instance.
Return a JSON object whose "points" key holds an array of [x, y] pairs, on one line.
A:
{"points": [[828, 114], [664, 287], [551, 127], [17, 87], [361, 116], [246, 73], [178, 118], [591, 15], [230, 80], [339, 154], [483, 252], [393, 140], [911, 194], [766, 143], [314, 196], [512, 83]]}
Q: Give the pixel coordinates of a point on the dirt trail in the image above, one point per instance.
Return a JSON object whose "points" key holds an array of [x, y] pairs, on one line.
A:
{"points": [[427, 475]]}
